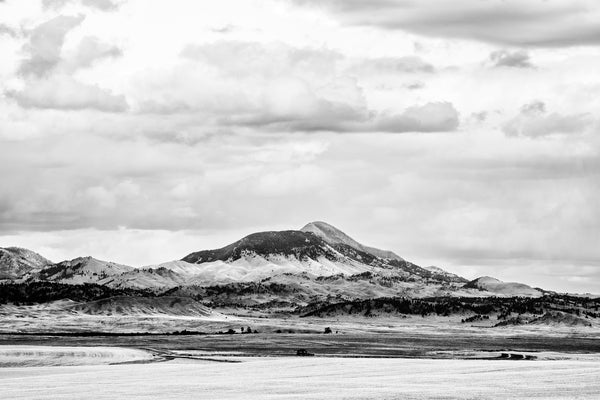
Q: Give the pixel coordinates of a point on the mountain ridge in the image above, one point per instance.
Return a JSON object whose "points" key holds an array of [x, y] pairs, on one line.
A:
{"points": [[292, 267], [332, 235]]}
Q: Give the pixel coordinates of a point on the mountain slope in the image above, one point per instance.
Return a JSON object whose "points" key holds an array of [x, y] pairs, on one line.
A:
{"points": [[301, 245], [17, 263], [286, 269], [334, 236], [145, 278], [144, 306], [319, 250], [81, 270]]}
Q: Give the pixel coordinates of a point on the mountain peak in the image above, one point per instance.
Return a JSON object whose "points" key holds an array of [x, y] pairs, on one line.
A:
{"points": [[301, 244], [332, 235]]}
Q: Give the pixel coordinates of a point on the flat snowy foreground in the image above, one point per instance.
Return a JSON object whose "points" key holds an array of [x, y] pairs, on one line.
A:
{"points": [[309, 378]]}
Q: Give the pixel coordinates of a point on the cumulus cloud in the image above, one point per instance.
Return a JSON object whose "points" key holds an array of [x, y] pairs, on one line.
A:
{"points": [[104, 5], [263, 117], [92, 49], [335, 117], [253, 58], [284, 88], [505, 58], [431, 117], [45, 45], [414, 85], [406, 64], [544, 23], [48, 73], [62, 92], [534, 121], [292, 105], [7, 30]]}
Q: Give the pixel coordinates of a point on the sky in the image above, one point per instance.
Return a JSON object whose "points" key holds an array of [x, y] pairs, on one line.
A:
{"points": [[460, 134]]}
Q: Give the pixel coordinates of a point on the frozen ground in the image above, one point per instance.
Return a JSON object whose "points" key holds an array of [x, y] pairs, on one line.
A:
{"points": [[310, 378], [40, 356]]}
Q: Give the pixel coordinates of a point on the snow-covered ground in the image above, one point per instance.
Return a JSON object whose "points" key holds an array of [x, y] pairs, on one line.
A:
{"points": [[309, 378], [40, 356]]}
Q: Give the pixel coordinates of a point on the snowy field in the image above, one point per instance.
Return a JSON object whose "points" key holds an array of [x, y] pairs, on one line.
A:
{"points": [[309, 378], [43, 356]]}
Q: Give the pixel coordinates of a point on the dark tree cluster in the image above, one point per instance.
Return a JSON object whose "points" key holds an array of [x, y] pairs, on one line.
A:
{"points": [[504, 307], [41, 292]]}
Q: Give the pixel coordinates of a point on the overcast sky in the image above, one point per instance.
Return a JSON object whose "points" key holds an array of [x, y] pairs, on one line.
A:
{"points": [[461, 134]]}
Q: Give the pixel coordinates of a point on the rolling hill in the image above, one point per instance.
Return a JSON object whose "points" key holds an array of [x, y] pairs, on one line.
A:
{"points": [[18, 263], [493, 285]]}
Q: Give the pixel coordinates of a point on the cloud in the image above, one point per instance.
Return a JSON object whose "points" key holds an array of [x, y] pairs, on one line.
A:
{"points": [[277, 117], [287, 89], [534, 121], [7, 30], [313, 115], [414, 85], [254, 58], [103, 5], [45, 44], [292, 105], [48, 74], [61, 92], [431, 117], [90, 50], [45, 48], [516, 59], [542, 23], [406, 64]]}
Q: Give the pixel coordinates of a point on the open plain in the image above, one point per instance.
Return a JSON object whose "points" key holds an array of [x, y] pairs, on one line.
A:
{"points": [[309, 378]]}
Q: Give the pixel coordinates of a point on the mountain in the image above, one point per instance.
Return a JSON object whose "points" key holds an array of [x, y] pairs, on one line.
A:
{"points": [[330, 252], [17, 263], [439, 271], [493, 285], [291, 268], [82, 270], [334, 236], [273, 270], [297, 244]]}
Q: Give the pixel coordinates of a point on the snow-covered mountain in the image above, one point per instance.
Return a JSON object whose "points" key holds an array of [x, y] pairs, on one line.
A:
{"points": [[325, 253], [269, 269], [17, 263], [334, 236]]}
